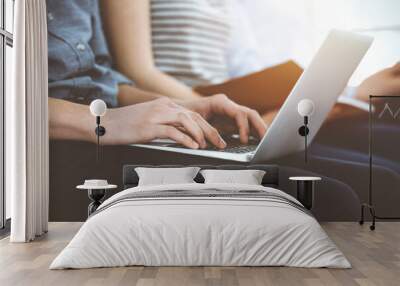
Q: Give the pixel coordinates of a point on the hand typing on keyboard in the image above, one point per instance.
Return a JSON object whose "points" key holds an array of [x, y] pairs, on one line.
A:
{"points": [[233, 145]]}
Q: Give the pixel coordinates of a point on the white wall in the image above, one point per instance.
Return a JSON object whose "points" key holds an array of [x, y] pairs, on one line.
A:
{"points": [[294, 29]]}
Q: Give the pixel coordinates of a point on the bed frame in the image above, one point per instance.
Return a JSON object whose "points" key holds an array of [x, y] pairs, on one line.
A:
{"points": [[271, 178]]}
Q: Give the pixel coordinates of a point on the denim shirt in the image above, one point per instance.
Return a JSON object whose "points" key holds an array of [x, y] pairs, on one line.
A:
{"points": [[80, 67]]}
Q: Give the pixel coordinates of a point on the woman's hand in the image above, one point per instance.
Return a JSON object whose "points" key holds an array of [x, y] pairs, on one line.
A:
{"points": [[158, 119], [219, 107]]}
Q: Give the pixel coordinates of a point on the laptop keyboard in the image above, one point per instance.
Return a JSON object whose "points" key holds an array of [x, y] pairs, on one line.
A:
{"points": [[235, 149], [233, 146]]}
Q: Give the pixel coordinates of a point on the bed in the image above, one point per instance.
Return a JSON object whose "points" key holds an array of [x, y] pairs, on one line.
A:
{"points": [[198, 224]]}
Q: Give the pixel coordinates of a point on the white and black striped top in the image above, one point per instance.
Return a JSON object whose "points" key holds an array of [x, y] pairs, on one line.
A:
{"points": [[190, 39]]}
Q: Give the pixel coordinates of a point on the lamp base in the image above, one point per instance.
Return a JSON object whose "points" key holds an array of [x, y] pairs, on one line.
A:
{"points": [[95, 195], [100, 131], [303, 130]]}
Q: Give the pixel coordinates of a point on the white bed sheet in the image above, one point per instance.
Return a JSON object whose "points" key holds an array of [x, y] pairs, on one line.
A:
{"points": [[200, 231]]}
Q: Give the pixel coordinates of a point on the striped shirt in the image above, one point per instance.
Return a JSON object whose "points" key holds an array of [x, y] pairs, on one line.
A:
{"points": [[190, 39]]}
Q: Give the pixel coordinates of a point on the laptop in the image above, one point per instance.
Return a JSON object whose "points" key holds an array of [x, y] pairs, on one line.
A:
{"points": [[322, 82]]}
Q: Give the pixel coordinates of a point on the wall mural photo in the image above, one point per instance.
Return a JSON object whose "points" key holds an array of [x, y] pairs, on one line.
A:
{"points": [[201, 82]]}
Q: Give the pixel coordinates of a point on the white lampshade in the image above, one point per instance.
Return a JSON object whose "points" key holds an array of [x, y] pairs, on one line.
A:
{"points": [[98, 107], [305, 107]]}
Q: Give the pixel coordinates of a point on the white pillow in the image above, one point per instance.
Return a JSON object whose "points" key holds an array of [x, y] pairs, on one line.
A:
{"points": [[248, 177], [165, 176]]}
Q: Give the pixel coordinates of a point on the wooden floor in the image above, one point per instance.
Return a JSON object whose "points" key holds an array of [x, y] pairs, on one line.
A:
{"points": [[375, 257]]}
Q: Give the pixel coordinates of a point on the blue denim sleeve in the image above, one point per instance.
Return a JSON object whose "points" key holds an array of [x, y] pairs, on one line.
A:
{"points": [[80, 66]]}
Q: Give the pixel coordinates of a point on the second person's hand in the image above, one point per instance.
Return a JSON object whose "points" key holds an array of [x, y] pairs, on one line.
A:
{"points": [[220, 105]]}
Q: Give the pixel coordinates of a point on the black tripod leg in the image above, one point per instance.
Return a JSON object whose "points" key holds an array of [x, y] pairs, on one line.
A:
{"points": [[361, 222], [372, 227]]}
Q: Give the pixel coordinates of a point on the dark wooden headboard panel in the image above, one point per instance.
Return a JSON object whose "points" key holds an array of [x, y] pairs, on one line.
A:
{"points": [[271, 178]]}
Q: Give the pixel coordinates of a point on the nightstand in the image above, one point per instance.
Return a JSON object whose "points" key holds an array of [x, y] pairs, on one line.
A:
{"points": [[96, 191], [305, 190]]}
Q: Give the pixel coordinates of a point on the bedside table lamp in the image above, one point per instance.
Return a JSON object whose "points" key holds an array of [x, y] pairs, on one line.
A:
{"points": [[98, 108], [305, 108]]}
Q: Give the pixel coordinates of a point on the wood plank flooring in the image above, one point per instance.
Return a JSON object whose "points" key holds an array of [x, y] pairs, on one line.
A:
{"points": [[375, 257]]}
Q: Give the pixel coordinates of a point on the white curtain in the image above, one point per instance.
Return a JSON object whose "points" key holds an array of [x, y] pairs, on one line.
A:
{"points": [[27, 124]]}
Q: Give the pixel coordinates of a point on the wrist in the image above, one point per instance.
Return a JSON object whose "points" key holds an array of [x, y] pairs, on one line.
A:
{"points": [[110, 121], [200, 105], [86, 126], [70, 121]]}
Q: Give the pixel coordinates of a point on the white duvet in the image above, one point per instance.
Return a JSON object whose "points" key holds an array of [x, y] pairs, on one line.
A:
{"points": [[200, 231]]}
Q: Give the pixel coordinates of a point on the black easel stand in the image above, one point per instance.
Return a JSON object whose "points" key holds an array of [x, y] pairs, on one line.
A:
{"points": [[370, 204]]}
